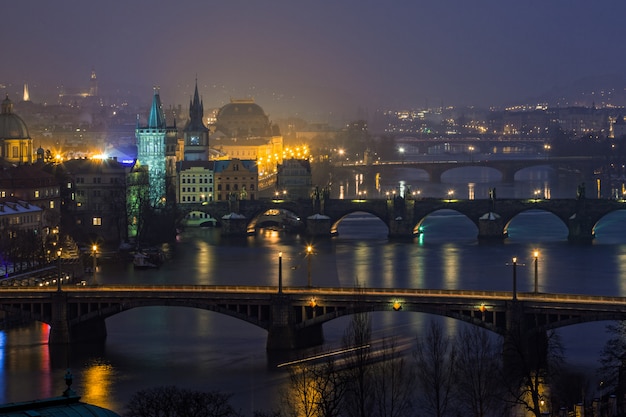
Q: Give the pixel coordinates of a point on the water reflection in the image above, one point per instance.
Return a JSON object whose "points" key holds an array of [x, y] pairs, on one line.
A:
{"points": [[204, 350]]}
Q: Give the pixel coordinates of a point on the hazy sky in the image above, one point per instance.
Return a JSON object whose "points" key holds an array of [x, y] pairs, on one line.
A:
{"points": [[315, 56]]}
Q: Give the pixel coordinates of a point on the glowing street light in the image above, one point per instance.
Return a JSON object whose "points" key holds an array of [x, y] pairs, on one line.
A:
{"points": [[94, 252], [59, 269], [514, 278], [536, 261], [401, 150], [450, 194], [280, 272], [309, 253]]}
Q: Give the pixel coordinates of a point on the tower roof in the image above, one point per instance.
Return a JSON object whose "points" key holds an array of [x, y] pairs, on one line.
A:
{"points": [[196, 112], [156, 119]]}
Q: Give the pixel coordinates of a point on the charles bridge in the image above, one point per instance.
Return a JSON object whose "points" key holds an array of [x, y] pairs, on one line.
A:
{"points": [[293, 316], [320, 215]]}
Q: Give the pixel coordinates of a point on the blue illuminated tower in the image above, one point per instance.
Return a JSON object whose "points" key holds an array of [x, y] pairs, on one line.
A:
{"points": [[151, 150]]}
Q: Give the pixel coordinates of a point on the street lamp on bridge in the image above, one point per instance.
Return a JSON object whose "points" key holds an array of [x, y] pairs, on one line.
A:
{"points": [[536, 261], [309, 253], [280, 272], [94, 252], [59, 269], [514, 278]]}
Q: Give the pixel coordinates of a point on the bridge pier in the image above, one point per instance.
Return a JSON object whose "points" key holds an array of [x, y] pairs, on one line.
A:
{"points": [[234, 225], [283, 334], [580, 229], [525, 348], [59, 326], [491, 227], [401, 217], [318, 225]]}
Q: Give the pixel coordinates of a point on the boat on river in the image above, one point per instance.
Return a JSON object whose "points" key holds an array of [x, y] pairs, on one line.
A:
{"points": [[148, 258]]}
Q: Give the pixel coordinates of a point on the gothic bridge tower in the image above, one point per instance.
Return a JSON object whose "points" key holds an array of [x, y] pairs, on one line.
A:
{"points": [[152, 149]]}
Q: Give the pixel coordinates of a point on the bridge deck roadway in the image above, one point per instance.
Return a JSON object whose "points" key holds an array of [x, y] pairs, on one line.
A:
{"points": [[365, 295]]}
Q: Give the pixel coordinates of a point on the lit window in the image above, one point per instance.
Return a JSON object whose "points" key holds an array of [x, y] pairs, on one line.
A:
{"points": [[96, 221], [36, 193], [51, 204]]}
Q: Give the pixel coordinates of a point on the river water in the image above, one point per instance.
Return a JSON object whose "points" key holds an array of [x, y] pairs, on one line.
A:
{"points": [[202, 350]]}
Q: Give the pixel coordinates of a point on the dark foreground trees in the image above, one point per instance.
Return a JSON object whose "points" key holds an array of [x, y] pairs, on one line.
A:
{"points": [[447, 375], [170, 401]]}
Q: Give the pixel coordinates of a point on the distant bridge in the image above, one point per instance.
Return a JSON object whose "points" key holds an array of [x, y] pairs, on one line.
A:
{"points": [[293, 316], [583, 165], [404, 216]]}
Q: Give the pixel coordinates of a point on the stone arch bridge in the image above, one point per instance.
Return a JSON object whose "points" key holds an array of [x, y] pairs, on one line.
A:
{"points": [[403, 216], [294, 317], [584, 165]]}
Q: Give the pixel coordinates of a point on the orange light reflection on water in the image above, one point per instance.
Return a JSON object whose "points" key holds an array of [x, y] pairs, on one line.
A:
{"points": [[96, 387]]}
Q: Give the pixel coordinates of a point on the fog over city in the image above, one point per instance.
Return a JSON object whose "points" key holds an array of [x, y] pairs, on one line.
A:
{"points": [[314, 58]]}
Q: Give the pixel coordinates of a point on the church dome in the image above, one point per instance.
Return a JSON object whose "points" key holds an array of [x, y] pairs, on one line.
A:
{"points": [[242, 118], [11, 125]]}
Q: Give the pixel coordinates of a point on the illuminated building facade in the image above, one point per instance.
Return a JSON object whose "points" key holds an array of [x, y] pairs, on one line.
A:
{"points": [[294, 178], [17, 145], [152, 149], [195, 133], [236, 179], [31, 184], [195, 183]]}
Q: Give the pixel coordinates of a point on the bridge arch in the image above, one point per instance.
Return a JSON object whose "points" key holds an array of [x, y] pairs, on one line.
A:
{"points": [[423, 222], [611, 225], [530, 212], [281, 218], [334, 229], [473, 173]]}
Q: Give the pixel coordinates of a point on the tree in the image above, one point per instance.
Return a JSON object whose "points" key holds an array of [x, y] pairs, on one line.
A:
{"points": [[357, 337], [532, 361], [612, 359], [477, 365], [393, 384], [316, 390], [171, 401], [435, 357]]}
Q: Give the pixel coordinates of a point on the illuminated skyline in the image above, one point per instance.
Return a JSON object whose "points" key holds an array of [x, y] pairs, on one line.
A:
{"points": [[315, 57]]}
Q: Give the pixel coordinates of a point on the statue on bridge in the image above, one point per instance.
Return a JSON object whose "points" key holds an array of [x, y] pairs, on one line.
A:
{"points": [[580, 192]]}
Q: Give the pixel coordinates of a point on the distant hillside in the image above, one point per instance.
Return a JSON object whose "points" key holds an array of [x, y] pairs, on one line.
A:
{"points": [[602, 90]]}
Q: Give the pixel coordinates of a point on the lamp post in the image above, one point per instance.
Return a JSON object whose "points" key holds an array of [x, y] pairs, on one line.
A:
{"points": [[514, 278], [59, 270], [536, 259], [309, 252], [94, 251], [280, 272]]}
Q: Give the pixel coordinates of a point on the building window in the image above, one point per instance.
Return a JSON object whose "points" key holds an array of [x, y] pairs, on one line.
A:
{"points": [[96, 221], [36, 193], [51, 204]]}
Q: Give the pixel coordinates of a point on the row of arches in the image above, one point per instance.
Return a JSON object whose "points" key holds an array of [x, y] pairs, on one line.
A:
{"points": [[446, 224]]}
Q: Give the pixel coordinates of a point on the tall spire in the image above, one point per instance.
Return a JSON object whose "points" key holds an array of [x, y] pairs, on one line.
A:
{"points": [[156, 119], [196, 112]]}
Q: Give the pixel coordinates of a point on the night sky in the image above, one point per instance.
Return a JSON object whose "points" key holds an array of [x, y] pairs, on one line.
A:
{"points": [[314, 57]]}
